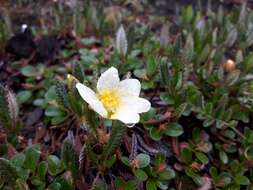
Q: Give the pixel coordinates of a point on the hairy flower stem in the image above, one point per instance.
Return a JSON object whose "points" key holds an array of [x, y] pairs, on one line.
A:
{"points": [[117, 133]]}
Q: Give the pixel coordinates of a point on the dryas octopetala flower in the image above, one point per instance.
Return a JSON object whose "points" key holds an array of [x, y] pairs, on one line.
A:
{"points": [[115, 99]]}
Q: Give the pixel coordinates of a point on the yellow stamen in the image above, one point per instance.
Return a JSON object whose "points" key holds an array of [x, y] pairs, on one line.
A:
{"points": [[110, 99]]}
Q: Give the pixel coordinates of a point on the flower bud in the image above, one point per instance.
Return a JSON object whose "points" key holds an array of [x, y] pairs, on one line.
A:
{"points": [[229, 65], [121, 41]]}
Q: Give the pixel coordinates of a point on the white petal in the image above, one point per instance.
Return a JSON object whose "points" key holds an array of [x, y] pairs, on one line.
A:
{"points": [[126, 116], [108, 80], [135, 104], [130, 87], [90, 97], [129, 110]]}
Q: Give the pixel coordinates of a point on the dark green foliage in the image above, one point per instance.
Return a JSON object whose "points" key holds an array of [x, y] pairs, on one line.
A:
{"points": [[164, 73], [62, 95], [24, 171], [202, 109], [8, 174], [78, 71], [55, 165], [32, 157], [70, 158]]}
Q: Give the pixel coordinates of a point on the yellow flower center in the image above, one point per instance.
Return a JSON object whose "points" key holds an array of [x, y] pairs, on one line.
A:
{"points": [[110, 99]]}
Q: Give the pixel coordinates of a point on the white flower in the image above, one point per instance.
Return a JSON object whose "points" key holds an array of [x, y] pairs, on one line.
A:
{"points": [[24, 27], [115, 99]]}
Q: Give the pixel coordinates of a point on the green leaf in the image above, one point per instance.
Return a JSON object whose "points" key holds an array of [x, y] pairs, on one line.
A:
{"points": [[186, 155], [88, 41], [155, 133], [21, 184], [39, 102], [242, 116], [231, 37], [174, 130], [229, 133], [226, 179], [159, 159], [223, 157], [209, 108], [249, 152], [219, 124], [204, 54], [196, 178], [42, 170], [126, 161], [54, 112], [57, 120], [167, 98], [180, 110], [163, 185], [66, 182], [119, 183], [188, 14], [54, 165], [202, 157], [35, 180], [214, 172], [151, 185], [248, 134], [196, 134], [193, 95], [242, 180], [18, 160], [167, 174], [130, 185], [242, 17], [23, 96], [54, 186], [51, 94], [32, 156], [110, 161], [76, 106], [164, 73], [208, 122], [148, 115], [248, 63], [151, 65], [232, 77], [141, 174], [29, 71], [144, 160], [189, 47]]}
